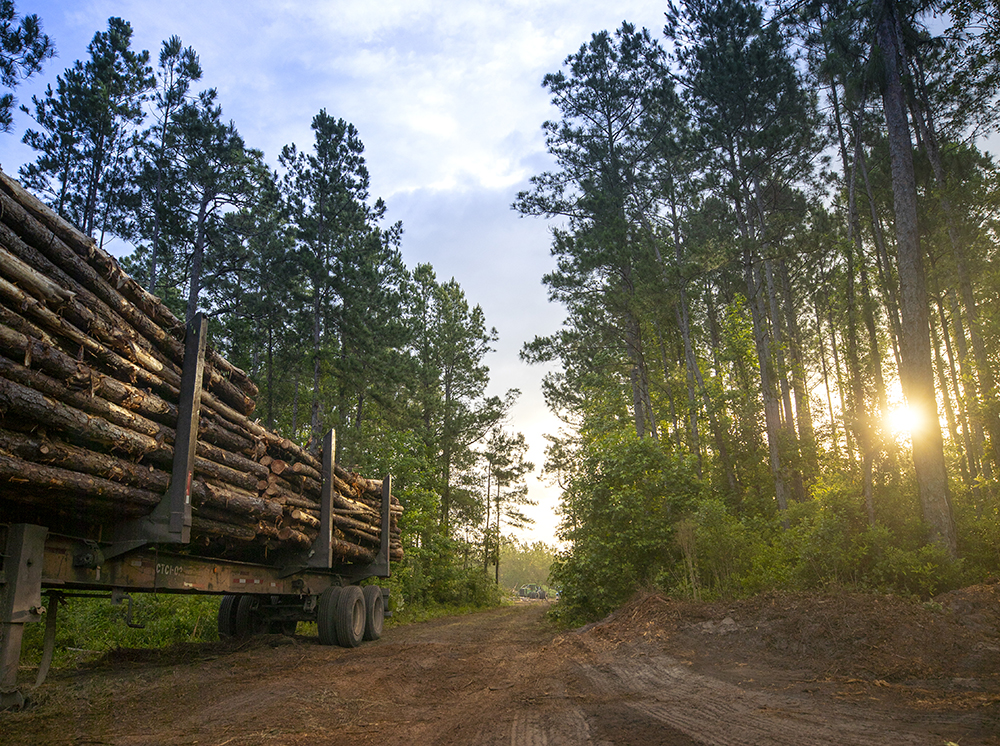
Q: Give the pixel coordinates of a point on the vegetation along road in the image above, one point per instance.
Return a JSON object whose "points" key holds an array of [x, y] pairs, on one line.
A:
{"points": [[658, 672]]}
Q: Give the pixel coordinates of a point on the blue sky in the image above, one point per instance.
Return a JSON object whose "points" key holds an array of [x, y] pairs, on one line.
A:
{"points": [[446, 96]]}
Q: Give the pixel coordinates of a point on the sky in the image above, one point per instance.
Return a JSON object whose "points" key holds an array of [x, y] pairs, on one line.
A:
{"points": [[447, 98]]}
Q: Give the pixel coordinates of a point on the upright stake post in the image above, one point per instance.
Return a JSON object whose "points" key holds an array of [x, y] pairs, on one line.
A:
{"points": [[186, 439], [323, 545], [170, 521], [20, 602]]}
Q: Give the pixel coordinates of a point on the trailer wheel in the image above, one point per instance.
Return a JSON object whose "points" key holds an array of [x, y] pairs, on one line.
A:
{"points": [[249, 621], [350, 617], [227, 615], [326, 615], [374, 612]]}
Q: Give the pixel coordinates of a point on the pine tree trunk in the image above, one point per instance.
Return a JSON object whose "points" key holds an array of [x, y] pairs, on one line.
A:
{"points": [[973, 450], [834, 437], [772, 403], [916, 374]]}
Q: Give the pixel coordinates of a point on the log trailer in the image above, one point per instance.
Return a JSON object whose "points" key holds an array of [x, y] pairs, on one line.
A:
{"points": [[129, 463], [148, 555]]}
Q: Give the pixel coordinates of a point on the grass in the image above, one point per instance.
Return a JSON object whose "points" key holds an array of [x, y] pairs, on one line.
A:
{"points": [[91, 627]]}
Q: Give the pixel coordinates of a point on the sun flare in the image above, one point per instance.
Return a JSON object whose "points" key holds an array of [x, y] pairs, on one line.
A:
{"points": [[901, 421]]}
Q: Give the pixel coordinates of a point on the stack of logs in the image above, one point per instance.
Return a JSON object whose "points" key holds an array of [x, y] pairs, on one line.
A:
{"points": [[90, 367]]}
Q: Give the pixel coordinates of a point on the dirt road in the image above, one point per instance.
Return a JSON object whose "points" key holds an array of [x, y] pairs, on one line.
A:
{"points": [[498, 677]]}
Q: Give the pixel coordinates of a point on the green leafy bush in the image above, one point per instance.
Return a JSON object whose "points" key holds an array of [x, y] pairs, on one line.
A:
{"points": [[620, 509]]}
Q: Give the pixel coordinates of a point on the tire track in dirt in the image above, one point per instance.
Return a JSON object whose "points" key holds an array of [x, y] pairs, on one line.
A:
{"points": [[710, 711]]}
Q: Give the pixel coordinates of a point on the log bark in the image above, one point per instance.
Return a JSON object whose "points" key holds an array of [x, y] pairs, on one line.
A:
{"points": [[83, 488], [218, 496], [56, 453], [17, 401], [207, 527], [916, 373]]}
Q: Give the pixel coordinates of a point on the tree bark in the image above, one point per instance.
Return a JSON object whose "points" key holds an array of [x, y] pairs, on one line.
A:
{"points": [[916, 374]]}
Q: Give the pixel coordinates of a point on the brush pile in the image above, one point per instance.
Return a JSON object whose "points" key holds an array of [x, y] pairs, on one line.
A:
{"points": [[90, 369]]}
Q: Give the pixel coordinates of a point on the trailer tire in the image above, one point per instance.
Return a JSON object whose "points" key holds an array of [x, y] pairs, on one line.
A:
{"points": [[350, 617], [374, 612], [227, 616], [326, 615], [249, 619]]}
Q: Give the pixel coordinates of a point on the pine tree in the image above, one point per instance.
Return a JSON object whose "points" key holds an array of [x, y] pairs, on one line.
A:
{"points": [[23, 49], [608, 97], [326, 193], [216, 170], [89, 133], [160, 179]]}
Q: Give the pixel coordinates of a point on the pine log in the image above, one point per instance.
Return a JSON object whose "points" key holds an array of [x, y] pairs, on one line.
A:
{"points": [[350, 526], [295, 501], [82, 400], [252, 444], [218, 496], [306, 470], [301, 484], [303, 517], [77, 375], [292, 536], [221, 515], [352, 552], [369, 534], [207, 527], [211, 461], [89, 278], [25, 276], [19, 324], [235, 443], [123, 369], [83, 488], [266, 530], [46, 451], [100, 323], [52, 452], [21, 402]]}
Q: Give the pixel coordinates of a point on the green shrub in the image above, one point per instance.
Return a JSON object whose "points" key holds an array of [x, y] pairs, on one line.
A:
{"points": [[924, 571], [828, 541], [621, 508]]}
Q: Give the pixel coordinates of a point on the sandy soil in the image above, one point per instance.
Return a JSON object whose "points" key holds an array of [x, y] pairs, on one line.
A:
{"points": [[803, 670]]}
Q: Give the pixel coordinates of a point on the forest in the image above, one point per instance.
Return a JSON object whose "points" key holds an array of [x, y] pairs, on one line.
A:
{"points": [[774, 228], [778, 365]]}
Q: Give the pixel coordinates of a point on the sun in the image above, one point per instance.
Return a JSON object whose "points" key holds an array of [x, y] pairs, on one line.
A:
{"points": [[901, 420]]}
